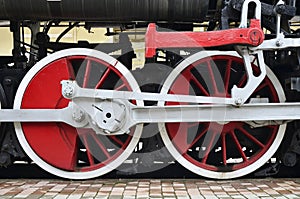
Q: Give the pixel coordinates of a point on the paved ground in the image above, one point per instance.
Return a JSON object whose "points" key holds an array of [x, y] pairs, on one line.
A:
{"points": [[152, 188]]}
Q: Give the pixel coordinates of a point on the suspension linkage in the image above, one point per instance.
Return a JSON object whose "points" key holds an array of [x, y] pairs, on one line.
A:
{"points": [[209, 112], [71, 90]]}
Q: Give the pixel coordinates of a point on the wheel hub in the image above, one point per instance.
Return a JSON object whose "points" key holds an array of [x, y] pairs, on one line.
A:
{"points": [[108, 117]]}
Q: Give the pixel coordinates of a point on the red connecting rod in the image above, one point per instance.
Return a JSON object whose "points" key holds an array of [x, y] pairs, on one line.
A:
{"points": [[252, 36]]}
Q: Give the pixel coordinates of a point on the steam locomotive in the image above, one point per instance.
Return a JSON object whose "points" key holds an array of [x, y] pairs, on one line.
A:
{"points": [[218, 92]]}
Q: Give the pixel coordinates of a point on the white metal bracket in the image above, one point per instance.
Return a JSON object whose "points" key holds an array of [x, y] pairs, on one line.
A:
{"points": [[240, 95]]}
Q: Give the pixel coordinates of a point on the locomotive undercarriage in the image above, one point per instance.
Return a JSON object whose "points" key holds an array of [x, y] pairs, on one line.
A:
{"points": [[223, 105]]}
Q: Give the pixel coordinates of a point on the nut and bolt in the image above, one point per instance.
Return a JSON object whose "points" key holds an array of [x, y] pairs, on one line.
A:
{"points": [[279, 43], [238, 102], [78, 116], [68, 91]]}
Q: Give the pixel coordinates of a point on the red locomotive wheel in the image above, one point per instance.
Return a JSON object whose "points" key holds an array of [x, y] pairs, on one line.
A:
{"points": [[57, 147], [226, 149]]}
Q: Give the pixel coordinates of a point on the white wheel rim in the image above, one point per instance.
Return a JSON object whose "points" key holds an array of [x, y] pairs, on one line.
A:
{"points": [[208, 173], [30, 152]]}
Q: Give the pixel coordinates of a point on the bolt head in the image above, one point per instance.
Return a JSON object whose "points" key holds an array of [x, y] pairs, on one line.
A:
{"points": [[78, 116], [68, 91], [238, 101], [279, 43]]}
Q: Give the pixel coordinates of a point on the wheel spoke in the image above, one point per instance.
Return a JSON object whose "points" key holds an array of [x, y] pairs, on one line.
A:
{"points": [[101, 146], [224, 149], [227, 75], [69, 67], [120, 87], [201, 88], [242, 81], [84, 138], [251, 137], [116, 140], [209, 147], [103, 78], [87, 74], [261, 86], [237, 144], [199, 136], [212, 76]]}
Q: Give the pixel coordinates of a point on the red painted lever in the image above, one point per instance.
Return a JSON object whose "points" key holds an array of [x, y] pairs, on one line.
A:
{"points": [[252, 36]]}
